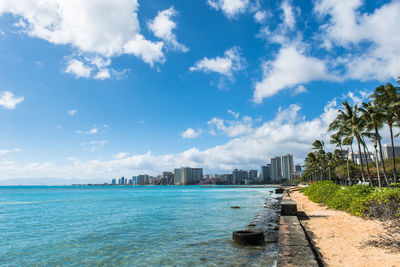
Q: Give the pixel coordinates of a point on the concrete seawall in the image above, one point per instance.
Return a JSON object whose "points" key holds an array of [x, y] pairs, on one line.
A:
{"points": [[294, 245]]}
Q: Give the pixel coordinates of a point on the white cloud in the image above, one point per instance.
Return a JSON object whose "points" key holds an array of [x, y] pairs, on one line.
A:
{"points": [[120, 155], [371, 38], [104, 28], [290, 68], [230, 63], [234, 114], [8, 101], [288, 15], [288, 132], [231, 8], [149, 52], [72, 112], [92, 131], [78, 68], [299, 90], [260, 16], [231, 128], [8, 151], [190, 133], [162, 27]]}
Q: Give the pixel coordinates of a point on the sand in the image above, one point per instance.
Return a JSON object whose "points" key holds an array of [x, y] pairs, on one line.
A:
{"points": [[341, 238]]}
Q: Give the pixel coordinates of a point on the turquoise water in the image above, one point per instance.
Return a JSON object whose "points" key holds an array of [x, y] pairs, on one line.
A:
{"points": [[126, 226]]}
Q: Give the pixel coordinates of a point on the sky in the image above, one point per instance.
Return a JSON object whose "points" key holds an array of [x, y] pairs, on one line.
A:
{"points": [[94, 90]]}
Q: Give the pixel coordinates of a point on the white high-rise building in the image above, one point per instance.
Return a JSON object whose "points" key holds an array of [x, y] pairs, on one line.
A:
{"points": [[287, 166], [276, 168], [187, 175]]}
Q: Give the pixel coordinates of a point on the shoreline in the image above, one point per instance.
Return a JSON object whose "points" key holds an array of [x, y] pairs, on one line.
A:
{"points": [[341, 239]]}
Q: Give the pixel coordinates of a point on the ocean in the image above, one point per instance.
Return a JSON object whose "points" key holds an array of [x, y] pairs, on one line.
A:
{"points": [[129, 226]]}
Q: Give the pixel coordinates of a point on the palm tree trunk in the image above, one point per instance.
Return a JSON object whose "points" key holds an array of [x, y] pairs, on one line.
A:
{"points": [[393, 155], [369, 156], [377, 166], [348, 172], [383, 162], [341, 159], [381, 157], [361, 162], [366, 163]]}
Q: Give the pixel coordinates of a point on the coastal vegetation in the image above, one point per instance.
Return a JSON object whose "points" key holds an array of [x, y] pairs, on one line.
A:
{"points": [[354, 128]]}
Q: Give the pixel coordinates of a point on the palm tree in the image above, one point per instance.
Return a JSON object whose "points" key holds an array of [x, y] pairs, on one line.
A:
{"points": [[376, 139], [348, 141], [349, 121], [311, 163], [385, 98], [375, 118], [337, 139], [319, 145]]}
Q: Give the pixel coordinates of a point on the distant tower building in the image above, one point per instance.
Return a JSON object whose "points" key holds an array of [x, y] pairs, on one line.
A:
{"points": [[119, 181], [387, 151], [123, 180], [239, 176], [287, 166], [276, 169], [297, 168], [134, 180], [113, 181], [266, 173], [253, 174], [187, 175], [169, 177]]}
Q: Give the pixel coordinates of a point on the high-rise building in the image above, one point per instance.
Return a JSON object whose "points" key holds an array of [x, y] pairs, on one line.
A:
{"points": [[252, 174], [122, 180], [169, 177], [134, 180], [287, 166], [276, 168], [388, 153], [187, 175], [266, 173], [297, 168], [113, 181], [239, 176], [226, 178]]}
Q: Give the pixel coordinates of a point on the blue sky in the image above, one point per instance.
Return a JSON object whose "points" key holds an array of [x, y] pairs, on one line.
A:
{"points": [[99, 89]]}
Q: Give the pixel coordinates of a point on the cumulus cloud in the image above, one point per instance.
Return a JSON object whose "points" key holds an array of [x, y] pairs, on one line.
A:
{"points": [[288, 132], [190, 133], [227, 65], [371, 38], [291, 67], [103, 28], [231, 128], [163, 25], [231, 8], [9, 101]]}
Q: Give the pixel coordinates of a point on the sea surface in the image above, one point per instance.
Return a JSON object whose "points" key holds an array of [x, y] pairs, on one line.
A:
{"points": [[129, 226]]}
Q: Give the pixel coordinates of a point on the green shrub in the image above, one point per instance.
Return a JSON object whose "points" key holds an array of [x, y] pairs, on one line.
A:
{"points": [[320, 192], [384, 203], [360, 200]]}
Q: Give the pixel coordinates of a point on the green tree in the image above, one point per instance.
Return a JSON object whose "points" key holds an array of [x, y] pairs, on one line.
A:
{"points": [[374, 120], [349, 122], [386, 98]]}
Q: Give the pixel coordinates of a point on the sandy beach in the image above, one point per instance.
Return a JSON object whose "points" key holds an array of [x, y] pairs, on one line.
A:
{"points": [[342, 239]]}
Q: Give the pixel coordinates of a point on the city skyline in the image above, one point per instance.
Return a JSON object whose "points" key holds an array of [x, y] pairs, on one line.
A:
{"points": [[91, 90]]}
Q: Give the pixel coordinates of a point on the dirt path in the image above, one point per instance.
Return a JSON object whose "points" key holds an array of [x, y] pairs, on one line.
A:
{"points": [[341, 238]]}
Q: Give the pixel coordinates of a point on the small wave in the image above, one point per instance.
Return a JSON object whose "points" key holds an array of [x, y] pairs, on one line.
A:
{"points": [[5, 203]]}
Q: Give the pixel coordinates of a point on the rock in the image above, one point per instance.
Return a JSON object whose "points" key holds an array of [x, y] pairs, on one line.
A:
{"points": [[235, 207], [248, 237]]}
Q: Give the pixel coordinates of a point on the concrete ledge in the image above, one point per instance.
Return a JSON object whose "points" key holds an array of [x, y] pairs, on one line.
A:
{"points": [[293, 246], [288, 207]]}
